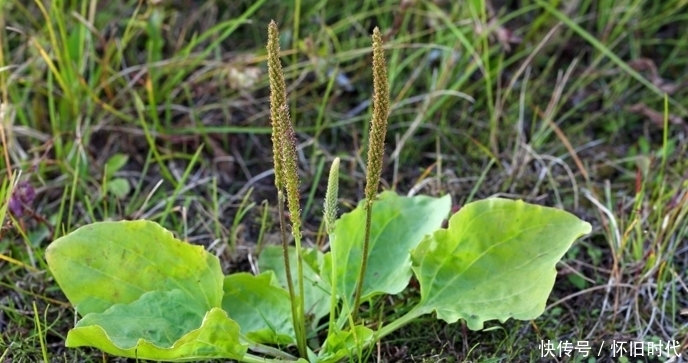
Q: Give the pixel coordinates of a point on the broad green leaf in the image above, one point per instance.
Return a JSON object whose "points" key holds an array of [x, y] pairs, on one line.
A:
{"points": [[119, 187], [316, 291], [109, 263], [216, 336], [115, 163], [260, 306], [496, 260], [345, 344], [159, 317], [398, 225]]}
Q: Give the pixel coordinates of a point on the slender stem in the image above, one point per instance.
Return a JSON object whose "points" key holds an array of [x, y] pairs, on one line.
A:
{"points": [[364, 259], [333, 288], [287, 269], [301, 332], [414, 313], [271, 351]]}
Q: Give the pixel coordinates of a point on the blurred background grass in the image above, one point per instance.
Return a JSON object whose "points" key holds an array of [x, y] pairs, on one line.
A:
{"points": [[159, 110]]}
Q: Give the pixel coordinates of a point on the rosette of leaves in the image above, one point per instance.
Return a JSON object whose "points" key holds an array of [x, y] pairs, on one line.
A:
{"points": [[142, 293]]}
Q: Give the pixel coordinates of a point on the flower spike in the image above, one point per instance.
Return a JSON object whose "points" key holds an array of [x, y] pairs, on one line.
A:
{"points": [[378, 123], [376, 152], [286, 180], [278, 98]]}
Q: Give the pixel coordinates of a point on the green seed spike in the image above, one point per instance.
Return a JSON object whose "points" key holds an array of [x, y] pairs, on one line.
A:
{"points": [[330, 216], [286, 180], [331, 196], [278, 98], [376, 152], [290, 170], [378, 123], [290, 178]]}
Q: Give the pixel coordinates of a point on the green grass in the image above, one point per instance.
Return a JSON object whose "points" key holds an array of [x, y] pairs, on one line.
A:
{"points": [[171, 100]]}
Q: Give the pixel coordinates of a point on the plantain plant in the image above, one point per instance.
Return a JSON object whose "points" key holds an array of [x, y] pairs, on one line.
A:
{"points": [[142, 293]]}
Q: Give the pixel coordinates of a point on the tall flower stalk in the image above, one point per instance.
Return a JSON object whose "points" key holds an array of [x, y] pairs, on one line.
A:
{"points": [[376, 151], [286, 181], [330, 216]]}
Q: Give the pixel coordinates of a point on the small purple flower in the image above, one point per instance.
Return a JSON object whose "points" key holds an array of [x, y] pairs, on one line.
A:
{"points": [[23, 195]]}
